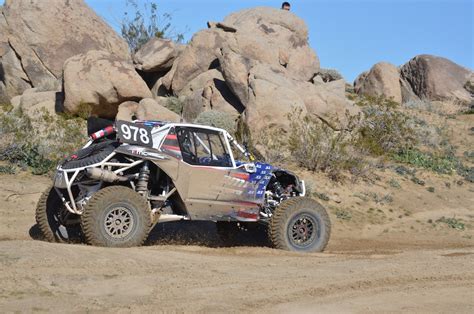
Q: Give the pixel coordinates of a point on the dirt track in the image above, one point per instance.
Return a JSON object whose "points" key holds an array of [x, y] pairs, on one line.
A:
{"points": [[400, 271]]}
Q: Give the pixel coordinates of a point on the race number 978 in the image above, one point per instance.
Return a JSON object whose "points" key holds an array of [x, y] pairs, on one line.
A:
{"points": [[134, 133]]}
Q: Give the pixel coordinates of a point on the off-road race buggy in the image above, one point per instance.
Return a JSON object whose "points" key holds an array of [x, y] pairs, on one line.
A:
{"points": [[133, 175]]}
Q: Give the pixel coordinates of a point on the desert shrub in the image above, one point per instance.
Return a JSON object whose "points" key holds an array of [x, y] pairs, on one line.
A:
{"points": [[394, 183], [343, 214], [7, 169], [378, 199], [144, 23], [384, 129], [174, 104], [321, 196], [38, 141], [329, 75], [452, 223], [217, 119], [315, 146], [271, 143], [417, 180], [420, 104], [466, 172]]}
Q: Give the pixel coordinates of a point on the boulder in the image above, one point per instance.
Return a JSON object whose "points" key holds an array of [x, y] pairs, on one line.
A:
{"points": [[146, 109], [101, 81], [13, 81], [276, 37], [38, 36], [235, 70], [273, 95], [150, 109], [383, 79], [157, 55], [34, 103], [127, 111], [199, 56], [215, 93], [328, 103], [271, 99], [159, 89], [436, 78]]}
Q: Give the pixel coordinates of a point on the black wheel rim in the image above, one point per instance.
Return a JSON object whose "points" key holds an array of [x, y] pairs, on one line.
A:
{"points": [[303, 230]]}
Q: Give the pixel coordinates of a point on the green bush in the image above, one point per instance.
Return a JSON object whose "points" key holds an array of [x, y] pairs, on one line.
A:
{"points": [[445, 164], [217, 119], [384, 129], [39, 141], [7, 169], [452, 223], [174, 104]]}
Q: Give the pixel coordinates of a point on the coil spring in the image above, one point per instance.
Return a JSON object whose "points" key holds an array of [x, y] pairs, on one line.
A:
{"points": [[143, 177]]}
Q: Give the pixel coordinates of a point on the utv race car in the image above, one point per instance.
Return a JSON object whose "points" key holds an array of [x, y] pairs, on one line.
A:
{"points": [[133, 175]]}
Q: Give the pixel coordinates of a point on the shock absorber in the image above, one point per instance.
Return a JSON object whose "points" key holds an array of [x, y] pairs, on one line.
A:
{"points": [[143, 177]]}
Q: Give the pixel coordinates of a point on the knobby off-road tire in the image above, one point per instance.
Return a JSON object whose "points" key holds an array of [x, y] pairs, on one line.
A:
{"points": [[300, 224], [55, 223], [116, 216], [90, 155]]}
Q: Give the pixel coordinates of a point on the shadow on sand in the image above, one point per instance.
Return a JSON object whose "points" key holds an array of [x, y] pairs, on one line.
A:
{"points": [[201, 233]]}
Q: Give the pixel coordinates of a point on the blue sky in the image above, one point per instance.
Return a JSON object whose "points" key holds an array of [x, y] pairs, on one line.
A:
{"points": [[348, 35]]}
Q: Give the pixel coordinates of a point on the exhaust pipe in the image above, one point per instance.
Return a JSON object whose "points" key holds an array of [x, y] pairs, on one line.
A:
{"points": [[104, 175]]}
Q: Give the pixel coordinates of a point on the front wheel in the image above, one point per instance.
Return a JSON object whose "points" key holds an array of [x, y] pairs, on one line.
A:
{"points": [[300, 224], [116, 216]]}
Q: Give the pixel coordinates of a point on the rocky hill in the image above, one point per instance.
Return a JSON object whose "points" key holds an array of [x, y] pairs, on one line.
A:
{"points": [[256, 63]]}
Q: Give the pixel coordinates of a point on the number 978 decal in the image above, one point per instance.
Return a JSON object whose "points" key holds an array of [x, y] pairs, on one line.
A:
{"points": [[134, 133]]}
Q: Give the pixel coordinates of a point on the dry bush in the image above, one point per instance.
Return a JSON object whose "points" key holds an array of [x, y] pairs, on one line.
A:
{"points": [[385, 130], [217, 119], [39, 141], [315, 146]]}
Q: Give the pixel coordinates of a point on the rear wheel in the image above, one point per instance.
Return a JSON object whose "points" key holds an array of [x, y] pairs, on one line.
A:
{"points": [[300, 224], [56, 223], [116, 216]]}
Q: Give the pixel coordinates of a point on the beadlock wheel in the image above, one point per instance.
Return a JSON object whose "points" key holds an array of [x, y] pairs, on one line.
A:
{"points": [[300, 224], [116, 216], [119, 222], [302, 230]]}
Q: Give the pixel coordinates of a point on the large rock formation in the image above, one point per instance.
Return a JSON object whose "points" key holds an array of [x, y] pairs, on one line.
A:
{"points": [[424, 77], [382, 79], [101, 82], [37, 36], [258, 62], [437, 78]]}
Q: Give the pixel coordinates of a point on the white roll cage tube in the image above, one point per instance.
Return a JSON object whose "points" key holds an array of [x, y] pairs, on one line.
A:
{"points": [[240, 148], [71, 205]]}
